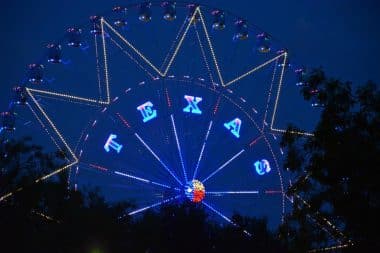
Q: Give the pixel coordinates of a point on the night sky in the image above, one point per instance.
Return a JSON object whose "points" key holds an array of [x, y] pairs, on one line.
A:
{"points": [[340, 36]]}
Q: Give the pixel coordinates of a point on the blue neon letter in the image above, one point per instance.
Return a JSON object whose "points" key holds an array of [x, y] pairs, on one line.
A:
{"points": [[234, 127], [147, 112], [192, 107], [262, 167], [110, 143]]}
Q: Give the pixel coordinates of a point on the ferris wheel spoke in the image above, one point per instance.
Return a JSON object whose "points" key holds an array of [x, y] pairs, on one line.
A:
{"points": [[213, 116], [219, 213], [202, 150], [108, 172], [158, 159], [165, 201], [179, 147], [273, 192], [224, 165], [143, 180], [243, 192], [224, 217], [222, 193], [127, 175]]}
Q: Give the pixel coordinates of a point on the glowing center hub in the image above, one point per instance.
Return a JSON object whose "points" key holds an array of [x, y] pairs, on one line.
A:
{"points": [[195, 191]]}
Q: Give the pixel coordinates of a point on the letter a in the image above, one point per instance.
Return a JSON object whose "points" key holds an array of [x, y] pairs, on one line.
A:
{"points": [[234, 127]]}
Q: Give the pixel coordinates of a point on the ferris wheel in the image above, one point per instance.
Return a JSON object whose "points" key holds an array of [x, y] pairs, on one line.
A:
{"points": [[164, 102]]}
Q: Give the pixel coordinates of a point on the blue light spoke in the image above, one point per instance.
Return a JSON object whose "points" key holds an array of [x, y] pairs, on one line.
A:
{"points": [[141, 179], [179, 148], [202, 150], [158, 159], [219, 213], [152, 206], [128, 175], [224, 217], [159, 184], [224, 165], [221, 193]]}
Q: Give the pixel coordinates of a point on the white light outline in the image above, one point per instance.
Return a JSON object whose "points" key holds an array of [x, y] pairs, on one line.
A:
{"points": [[72, 98], [31, 91], [179, 46], [60, 137], [276, 104], [163, 74]]}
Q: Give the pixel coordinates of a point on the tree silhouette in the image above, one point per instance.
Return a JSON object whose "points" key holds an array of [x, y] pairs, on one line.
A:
{"points": [[49, 217], [339, 166]]}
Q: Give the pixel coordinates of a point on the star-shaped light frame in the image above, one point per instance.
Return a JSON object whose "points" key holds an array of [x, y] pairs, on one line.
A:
{"points": [[159, 71], [56, 135]]}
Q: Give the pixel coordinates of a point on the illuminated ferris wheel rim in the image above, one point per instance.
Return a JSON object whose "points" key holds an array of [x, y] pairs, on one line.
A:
{"points": [[36, 75], [198, 191], [23, 91], [54, 50]]}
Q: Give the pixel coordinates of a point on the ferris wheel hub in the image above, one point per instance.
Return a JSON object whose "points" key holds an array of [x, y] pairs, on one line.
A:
{"points": [[195, 191]]}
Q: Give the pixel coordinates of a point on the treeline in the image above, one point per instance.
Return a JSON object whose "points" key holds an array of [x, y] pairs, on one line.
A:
{"points": [[49, 217]]}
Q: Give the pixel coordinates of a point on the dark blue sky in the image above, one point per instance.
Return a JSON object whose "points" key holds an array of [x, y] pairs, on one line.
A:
{"points": [[341, 36]]}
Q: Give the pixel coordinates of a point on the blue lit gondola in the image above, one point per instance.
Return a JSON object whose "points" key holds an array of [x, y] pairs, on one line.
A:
{"points": [[241, 30], [145, 12], [35, 73], [19, 95], [74, 37], [219, 22], [192, 8], [121, 13], [300, 76], [169, 10], [263, 43], [54, 53], [95, 25], [119, 9], [282, 61], [8, 121]]}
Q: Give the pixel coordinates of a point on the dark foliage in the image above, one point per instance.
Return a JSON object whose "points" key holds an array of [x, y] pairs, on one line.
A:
{"points": [[339, 166], [85, 222]]}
